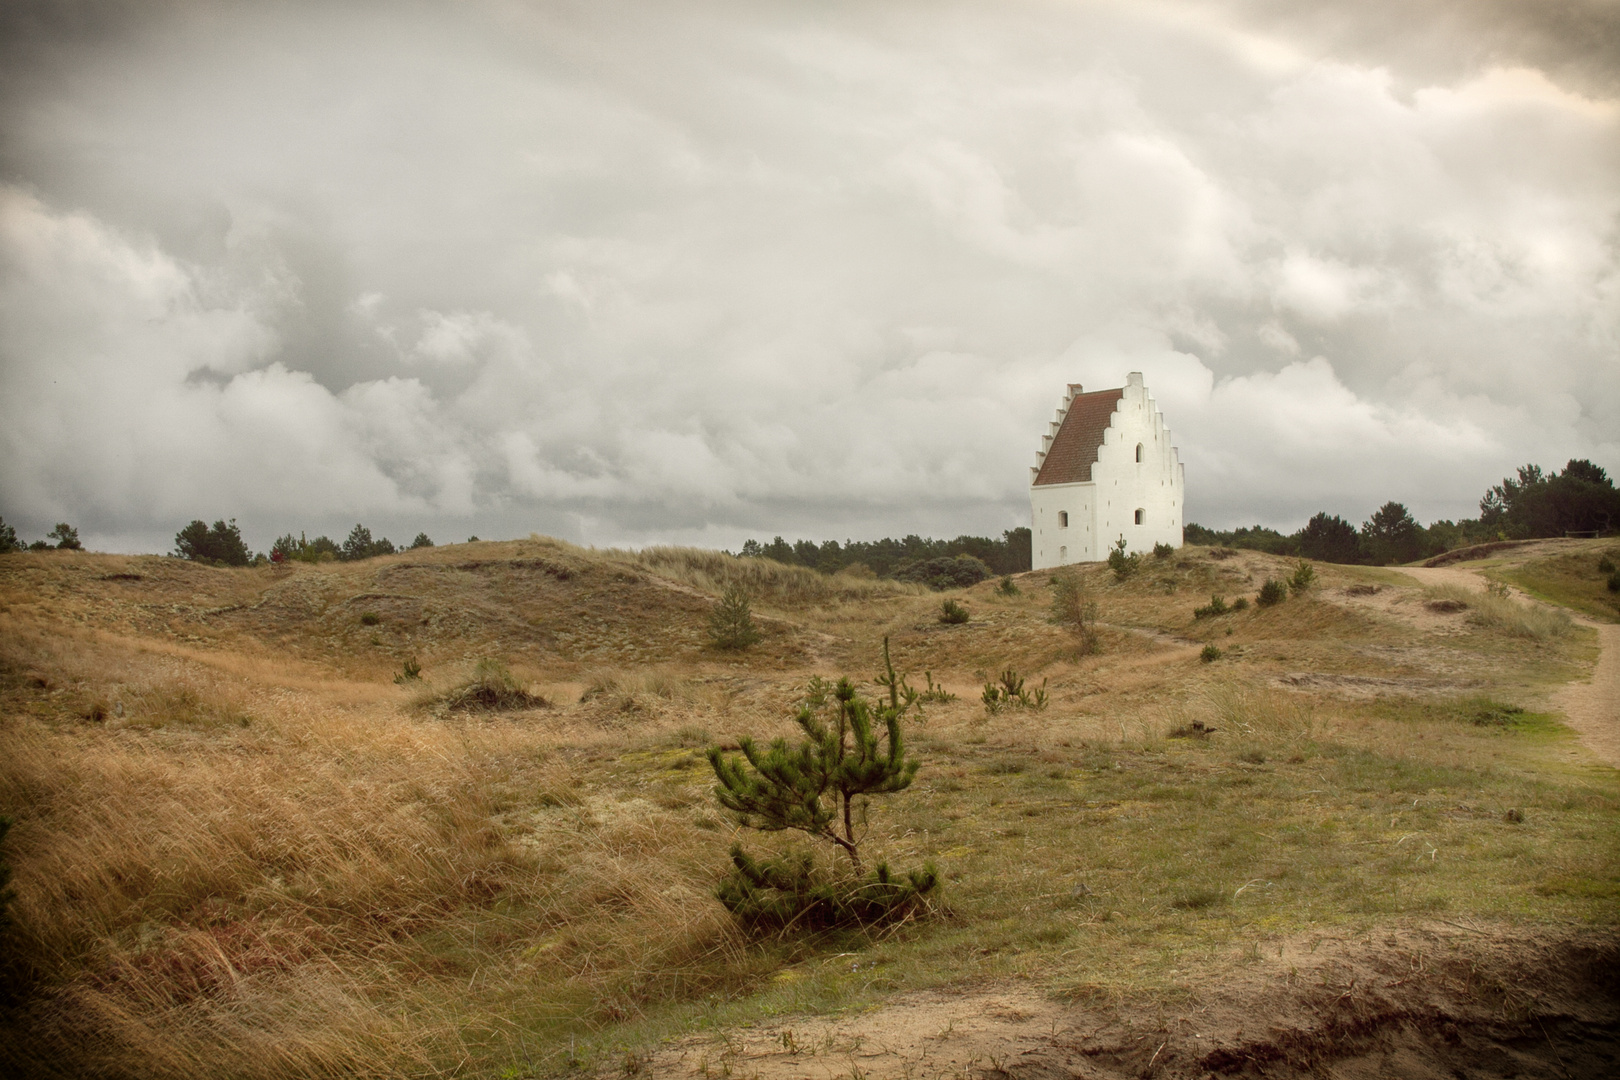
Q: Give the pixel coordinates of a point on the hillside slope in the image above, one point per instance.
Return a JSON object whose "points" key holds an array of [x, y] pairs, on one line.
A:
{"points": [[242, 849]]}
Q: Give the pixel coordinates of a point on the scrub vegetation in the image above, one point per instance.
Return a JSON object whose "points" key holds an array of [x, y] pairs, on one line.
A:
{"points": [[253, 836]]}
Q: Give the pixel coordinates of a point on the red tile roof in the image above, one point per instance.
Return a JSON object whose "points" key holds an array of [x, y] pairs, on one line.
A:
{"points": [[1074, 447]]}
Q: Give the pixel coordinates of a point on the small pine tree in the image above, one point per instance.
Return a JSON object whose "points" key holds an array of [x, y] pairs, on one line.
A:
{"points": [[1271, 593], [8, 538], [821, 786], [1120, 563], [731, 624], [422, 541], [1304, 577]]}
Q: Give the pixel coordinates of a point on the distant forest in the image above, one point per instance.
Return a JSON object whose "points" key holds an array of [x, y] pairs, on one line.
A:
{"points": [[1580, 500], [939, 563]]}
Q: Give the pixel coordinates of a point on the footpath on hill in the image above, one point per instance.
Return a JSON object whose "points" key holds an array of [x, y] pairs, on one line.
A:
{"points": [[1591, 707]]}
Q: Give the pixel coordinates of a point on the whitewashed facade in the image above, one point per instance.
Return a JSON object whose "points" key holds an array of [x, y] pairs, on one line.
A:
{"points": [[1105, 470]]}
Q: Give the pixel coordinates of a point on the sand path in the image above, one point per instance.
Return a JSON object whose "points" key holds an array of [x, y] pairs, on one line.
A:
{"points": [[1592, 708]]}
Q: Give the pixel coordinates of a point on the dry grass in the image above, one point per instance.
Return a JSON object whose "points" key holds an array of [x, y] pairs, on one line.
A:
{"points": [[344, 885], [1505, 614], [766, 580]]}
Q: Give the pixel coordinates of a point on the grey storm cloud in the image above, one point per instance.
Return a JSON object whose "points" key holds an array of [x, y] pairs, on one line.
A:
{"points": [[638, 272]]}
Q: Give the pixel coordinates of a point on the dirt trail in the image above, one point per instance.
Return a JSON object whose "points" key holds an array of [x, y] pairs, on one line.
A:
{"points": [[1592, 708], [1436, 1000]]}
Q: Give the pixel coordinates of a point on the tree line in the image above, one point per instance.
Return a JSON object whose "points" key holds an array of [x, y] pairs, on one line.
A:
{"points": [[63, 537], [221, 544], [963, 561], [1531, 505]]}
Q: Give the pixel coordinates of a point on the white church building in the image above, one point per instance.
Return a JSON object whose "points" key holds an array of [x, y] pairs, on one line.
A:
{"points": [[1105, 470]]}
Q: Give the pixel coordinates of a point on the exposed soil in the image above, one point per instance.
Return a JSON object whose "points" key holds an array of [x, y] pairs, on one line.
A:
{"points": [[1436, 1000]]}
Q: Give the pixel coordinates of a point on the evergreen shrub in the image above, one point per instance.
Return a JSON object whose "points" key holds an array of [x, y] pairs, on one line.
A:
{"points": [[1162, 550], [221, 545], [952, 613], [1010, 693], [822, 787], [1304, 577], [66, 537], [1123, 565], [1271, 593], [1216, 606], [1210, 654], [731, 623]]}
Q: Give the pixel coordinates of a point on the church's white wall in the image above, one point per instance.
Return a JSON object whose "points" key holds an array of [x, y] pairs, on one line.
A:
{"points": [[1105, 509], [1051, 542]]}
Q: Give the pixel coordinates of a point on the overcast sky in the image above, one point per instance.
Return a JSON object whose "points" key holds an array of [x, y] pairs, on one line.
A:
{"points": [[691, 272]]}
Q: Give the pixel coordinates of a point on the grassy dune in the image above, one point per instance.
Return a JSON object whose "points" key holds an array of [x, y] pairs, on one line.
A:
{"points": [[242, 850]]}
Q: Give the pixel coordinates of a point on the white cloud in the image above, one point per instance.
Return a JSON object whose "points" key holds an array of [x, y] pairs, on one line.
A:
{"points": [[727, 269]]}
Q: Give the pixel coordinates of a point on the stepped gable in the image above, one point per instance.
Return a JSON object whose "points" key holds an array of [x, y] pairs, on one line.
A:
{"points": [[1074, 447]]}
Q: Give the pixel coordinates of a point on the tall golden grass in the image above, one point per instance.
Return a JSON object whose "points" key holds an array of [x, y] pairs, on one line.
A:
{"points": [[1498, 612], [763, 579], [327, 891]]}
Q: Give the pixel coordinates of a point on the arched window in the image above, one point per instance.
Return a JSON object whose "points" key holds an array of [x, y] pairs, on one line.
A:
{"points": [[1063, 554], [1138, 451], [1140, 514], [1063, 519]]}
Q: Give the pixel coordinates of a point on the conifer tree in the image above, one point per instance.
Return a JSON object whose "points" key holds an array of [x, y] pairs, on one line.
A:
{"points": [[821, 785], [731, 625]]}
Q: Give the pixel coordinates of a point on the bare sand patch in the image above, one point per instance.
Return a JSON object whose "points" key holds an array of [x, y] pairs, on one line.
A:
{"points": [[1426, 1000]]}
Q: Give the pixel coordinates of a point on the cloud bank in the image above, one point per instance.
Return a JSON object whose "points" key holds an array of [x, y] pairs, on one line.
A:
{"points": [[694, 272]]}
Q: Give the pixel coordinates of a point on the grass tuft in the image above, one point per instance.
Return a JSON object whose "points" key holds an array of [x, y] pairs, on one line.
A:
{"points": [[1494, 611]]}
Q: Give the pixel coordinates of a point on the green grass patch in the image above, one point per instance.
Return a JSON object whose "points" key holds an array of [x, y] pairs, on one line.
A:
{"points": [[1571, 579]]}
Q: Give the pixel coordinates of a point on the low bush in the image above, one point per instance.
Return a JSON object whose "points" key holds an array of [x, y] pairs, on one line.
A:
{"points": [[790, 892], [1273, 592], [1210, 654], [731, 624], [492, 688], [1304, 577], [1123, 565], [1163, 551], [1216, 606], [1241, 604], [1606, 565], [1008, 587], [1614, 581], [410, 672], [1074, 610], [370, 618], [1010, 693], [952, 613], [935, 694], [950, 572]]}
